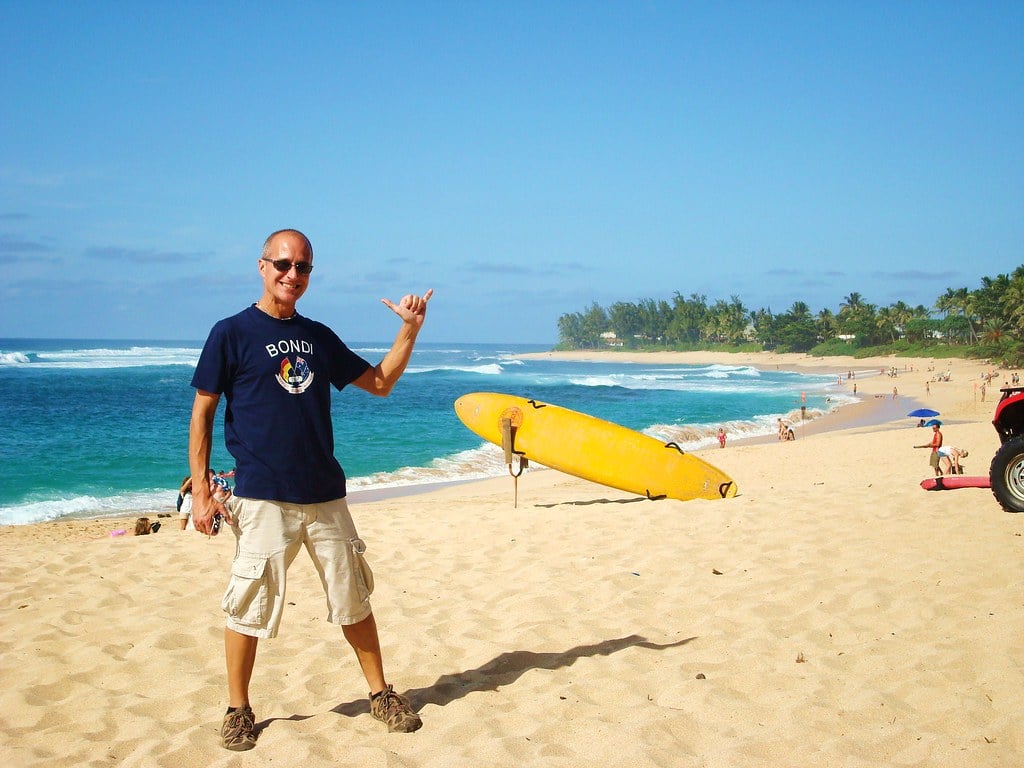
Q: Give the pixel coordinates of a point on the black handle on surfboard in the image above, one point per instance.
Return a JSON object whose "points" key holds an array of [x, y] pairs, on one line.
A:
{"points": [[676, 446]]}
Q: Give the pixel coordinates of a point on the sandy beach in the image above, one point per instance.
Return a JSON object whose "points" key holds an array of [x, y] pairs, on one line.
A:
{"points": [[832, 614]]}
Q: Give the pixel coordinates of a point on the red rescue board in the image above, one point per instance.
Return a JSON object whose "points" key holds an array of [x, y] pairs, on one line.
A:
{"points": [[949, 482]]}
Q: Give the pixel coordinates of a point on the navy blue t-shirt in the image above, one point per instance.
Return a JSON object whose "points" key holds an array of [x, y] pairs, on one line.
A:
{"points": [[276, 376]]}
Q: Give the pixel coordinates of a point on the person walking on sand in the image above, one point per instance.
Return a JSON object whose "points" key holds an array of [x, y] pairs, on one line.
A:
{"points": [[935, 444], [721, 437], [276, 369]]}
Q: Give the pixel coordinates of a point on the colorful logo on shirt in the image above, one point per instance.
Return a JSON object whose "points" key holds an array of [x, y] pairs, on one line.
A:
{"points": [[295, 377]]}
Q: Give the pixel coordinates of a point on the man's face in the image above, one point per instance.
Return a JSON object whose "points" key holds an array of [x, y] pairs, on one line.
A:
{"points": [[285, 287]]}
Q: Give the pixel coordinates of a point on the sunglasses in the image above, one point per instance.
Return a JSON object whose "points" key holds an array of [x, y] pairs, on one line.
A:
{"points": [[283, 265]]}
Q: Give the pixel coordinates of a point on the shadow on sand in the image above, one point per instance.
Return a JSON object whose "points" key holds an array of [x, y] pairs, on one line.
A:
{"points": [[593, 501], [505, 669]]}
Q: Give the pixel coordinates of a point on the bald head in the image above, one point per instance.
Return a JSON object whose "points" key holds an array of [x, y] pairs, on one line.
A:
{"points": [[268, 244]]}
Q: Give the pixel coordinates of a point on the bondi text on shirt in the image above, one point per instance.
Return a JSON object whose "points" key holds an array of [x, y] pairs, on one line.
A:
{"points": [[284, 346]]}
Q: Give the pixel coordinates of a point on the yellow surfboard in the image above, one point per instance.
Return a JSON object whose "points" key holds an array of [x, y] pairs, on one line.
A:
{"points": [[592, 448]]}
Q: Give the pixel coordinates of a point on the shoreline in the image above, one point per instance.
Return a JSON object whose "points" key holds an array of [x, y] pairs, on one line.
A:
{"points": [[873, 386], [875, 409]]}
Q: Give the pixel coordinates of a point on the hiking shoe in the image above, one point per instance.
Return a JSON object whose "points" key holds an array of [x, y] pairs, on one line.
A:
{"points": [[238, 733], [394, 711]]}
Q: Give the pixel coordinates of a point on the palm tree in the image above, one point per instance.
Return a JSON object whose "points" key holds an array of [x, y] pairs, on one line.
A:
{"points": [[826, 324], [849, 311], [886, 321], [800, 311], [1011, 302], [852, 303]]}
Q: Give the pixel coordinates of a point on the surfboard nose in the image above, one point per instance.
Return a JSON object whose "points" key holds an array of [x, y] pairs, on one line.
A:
{"points": [[463, 406]]}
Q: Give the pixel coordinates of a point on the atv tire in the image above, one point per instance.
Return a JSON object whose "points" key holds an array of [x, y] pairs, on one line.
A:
{"points": [[1006, 473]]}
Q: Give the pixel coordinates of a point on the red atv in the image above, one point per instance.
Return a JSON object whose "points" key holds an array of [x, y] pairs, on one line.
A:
{"points": [[1006, 473]]}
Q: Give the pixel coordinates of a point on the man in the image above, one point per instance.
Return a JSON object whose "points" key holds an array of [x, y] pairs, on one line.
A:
{"points": [[935, 444], [276, 369]]}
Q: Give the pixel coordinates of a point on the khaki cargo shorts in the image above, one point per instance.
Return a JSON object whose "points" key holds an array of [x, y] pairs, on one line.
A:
{"points": [[268, 536]]}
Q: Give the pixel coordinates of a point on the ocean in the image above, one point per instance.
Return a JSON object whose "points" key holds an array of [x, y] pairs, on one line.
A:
{"points": [[100, 428]]}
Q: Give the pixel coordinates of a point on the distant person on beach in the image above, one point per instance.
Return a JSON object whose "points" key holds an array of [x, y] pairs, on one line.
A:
{"points": [[935, 444], [949, 458], [721, 437], [276, 369], [184, 504]]}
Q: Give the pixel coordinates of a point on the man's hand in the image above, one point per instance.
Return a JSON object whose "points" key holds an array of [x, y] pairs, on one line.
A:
{"points": [[412, 308], [204, 510]]}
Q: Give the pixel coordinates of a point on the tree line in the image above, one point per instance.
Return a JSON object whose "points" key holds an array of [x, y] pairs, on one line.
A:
{"points": [[985, 322]]}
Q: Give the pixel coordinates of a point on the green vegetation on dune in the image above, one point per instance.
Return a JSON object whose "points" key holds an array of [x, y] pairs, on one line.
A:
{"points": [[983, 323]]}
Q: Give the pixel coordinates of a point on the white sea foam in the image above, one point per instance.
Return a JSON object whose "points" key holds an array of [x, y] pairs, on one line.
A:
{"points": [[691, 437], [102, 357], [489, 369], [82, 507], [688, 382], [485, 461]]}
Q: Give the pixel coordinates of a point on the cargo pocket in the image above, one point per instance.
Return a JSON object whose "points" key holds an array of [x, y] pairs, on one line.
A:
{"points": [[247, 597], [364, 576]]}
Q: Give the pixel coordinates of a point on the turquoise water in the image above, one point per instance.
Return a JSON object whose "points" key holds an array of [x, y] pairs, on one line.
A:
{"points": [[101, 428]]}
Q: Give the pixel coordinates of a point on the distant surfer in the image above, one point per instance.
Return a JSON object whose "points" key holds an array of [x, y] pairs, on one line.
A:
{"points": [[289, 487]]}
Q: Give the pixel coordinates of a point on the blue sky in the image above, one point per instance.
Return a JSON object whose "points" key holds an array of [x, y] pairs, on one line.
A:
{"points": [[523, 159]]}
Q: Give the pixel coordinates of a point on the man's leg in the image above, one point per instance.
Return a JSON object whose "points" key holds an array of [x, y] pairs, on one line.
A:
{"points": [[240, 653], [387, 706], [365, 642]]}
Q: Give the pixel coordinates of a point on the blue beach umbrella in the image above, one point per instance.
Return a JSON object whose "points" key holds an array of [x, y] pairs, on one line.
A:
{"points": [[923, 413], [933, 423]]}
